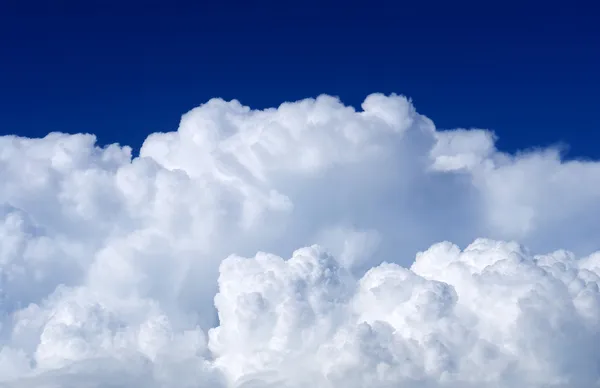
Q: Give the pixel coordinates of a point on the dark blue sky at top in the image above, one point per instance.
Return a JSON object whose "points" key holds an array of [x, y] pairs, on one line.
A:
{"points": [[122, 70]]}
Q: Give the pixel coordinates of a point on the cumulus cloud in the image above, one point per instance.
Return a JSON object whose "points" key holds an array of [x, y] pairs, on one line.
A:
{"points": [[119, 271]]}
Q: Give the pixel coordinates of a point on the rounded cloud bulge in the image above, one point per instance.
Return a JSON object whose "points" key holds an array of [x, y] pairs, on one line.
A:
{"points": [[311, 244]]}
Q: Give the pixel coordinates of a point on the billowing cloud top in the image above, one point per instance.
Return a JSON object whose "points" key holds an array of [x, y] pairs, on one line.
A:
{"points": [[152, 271]]}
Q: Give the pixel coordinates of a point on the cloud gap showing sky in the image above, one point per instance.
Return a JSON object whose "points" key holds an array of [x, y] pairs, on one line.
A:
{"points": [[312, 244]]}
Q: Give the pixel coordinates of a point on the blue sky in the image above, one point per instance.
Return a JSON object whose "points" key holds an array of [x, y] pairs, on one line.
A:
{"points": [[528, 72]]}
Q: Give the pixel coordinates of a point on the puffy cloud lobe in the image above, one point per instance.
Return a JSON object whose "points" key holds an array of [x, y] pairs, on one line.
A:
{"points": [[491, 315], [112, 269]]}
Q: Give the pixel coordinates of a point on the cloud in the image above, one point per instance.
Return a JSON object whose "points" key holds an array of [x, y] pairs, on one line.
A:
{"points": [[490, 315], [123, 271]]}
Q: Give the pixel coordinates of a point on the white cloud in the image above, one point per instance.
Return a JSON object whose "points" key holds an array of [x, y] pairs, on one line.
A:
{"points": [[118, 271]]}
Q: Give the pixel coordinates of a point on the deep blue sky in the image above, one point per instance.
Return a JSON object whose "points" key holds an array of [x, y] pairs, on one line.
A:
{"points": [[121, 71]]}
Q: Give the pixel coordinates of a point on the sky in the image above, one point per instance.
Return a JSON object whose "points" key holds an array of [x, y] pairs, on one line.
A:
{"points": [[234, 198], [124, 69]]}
